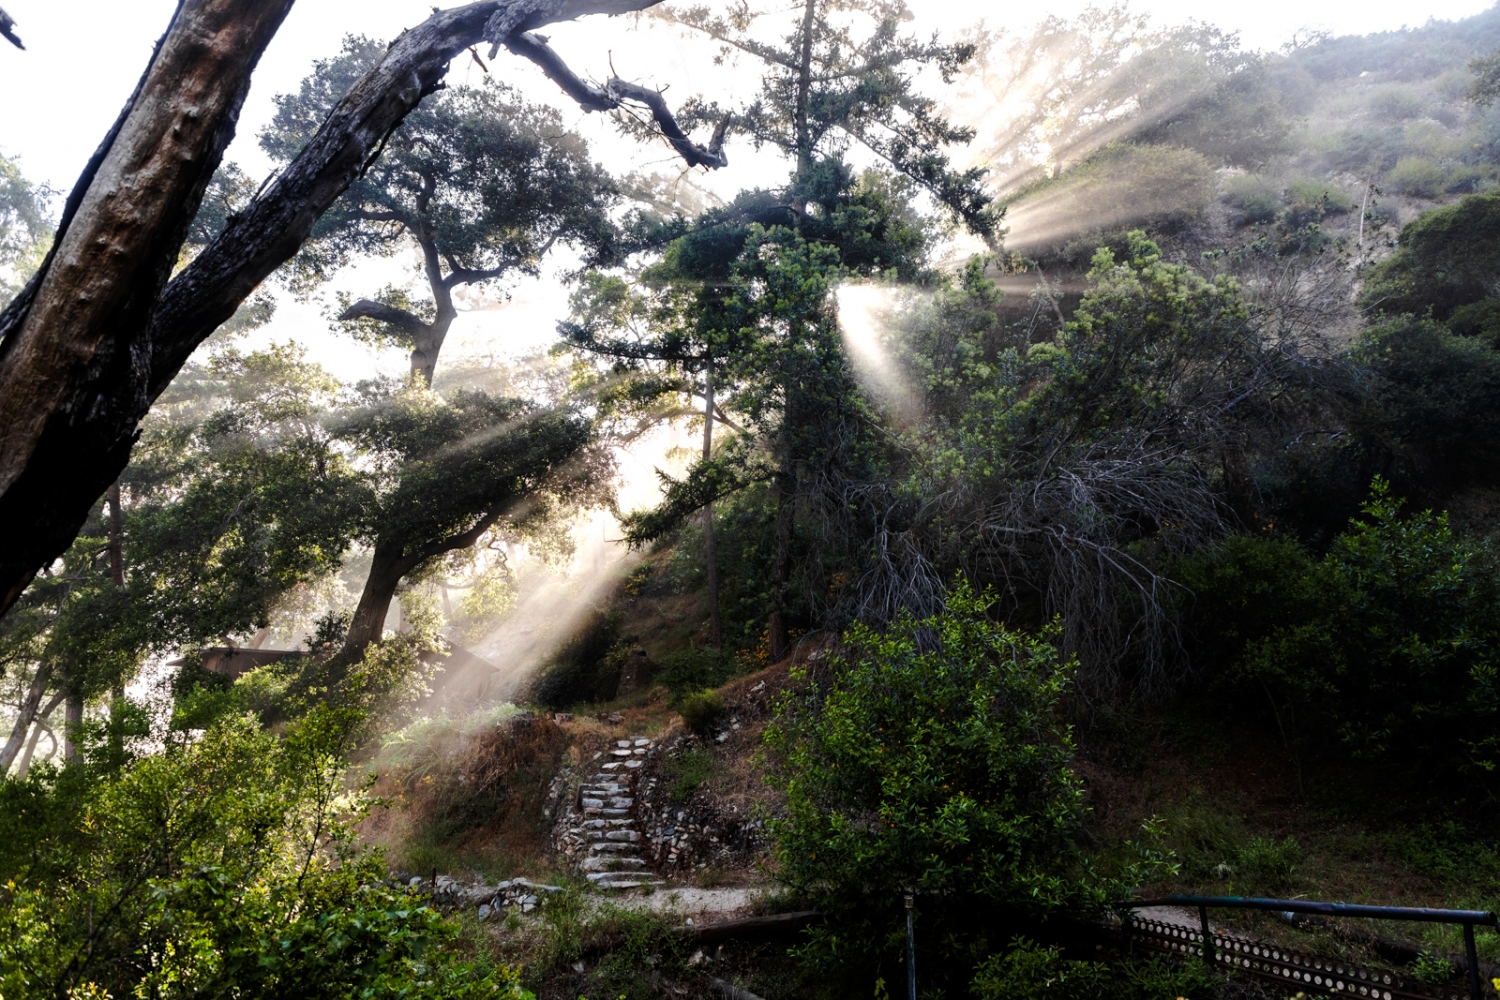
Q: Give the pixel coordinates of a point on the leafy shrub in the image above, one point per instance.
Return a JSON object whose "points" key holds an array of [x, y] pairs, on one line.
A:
{"points": [[1448, 257], [220, 867], [1478, 320], [1416, 176], [1257, 198], [687, 670], [1462, 178], [932, 757], [1398, 104], [1390, 645], [1433, 968], [699, 709], [1306, 195], [686, 773], [1268, 864], [1030, 972], [586, 667]]}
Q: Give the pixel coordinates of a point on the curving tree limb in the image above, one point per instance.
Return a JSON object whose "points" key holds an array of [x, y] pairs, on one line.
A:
{"points": [[99, 332], [8, 29], [616, 92]]}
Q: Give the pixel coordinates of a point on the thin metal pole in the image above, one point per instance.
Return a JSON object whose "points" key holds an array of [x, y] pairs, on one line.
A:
{"points": [[911, 954], [1473, 956], [1208, 939]]}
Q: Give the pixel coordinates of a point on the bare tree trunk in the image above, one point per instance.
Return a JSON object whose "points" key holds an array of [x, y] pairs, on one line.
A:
{"points": [[710, 558], [72, 720], [804, 88], [28, 710], [40, 727], [424, 355], [116, 534], [73, 371], [387, 567], [781, 565], [117, 573]]}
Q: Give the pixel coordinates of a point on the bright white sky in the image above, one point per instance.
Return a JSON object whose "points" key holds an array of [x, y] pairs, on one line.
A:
{"points": [[84, 57]]}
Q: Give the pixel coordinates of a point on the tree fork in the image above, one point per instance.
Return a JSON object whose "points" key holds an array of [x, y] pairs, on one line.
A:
{"points": [[99, 332], [74, 371]]}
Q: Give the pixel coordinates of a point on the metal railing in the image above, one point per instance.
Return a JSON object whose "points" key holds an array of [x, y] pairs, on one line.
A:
{"points": [[1468, 919]]}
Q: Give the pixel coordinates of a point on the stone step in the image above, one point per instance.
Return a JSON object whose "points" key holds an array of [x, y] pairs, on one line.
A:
{"points": [[615, 836], [619, 802], [614, 813], [607, 879], [634, 882], [605, 864], [611, 847]]}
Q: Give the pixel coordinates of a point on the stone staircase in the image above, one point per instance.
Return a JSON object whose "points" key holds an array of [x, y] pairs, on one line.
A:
{"points": [[610, 827]]}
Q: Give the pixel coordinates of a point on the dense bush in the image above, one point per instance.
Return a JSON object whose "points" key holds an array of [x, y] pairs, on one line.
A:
{"points": [[930, 759], [1433, 416], [1416, 176], [699, 709], [1447, 258], [1309, 201], [1031, 972], [217, 868], [1257, 198], [1389, 646]]}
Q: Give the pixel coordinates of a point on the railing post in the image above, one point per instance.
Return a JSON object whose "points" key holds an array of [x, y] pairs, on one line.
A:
{"points": [[911, 952], [1472, 954], [1208, 940]]}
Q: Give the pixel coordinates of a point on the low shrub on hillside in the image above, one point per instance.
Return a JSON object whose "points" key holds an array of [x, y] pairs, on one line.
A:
{"points": [[1416, 176], [1256, 198], [1120, 186], [699, 709]]}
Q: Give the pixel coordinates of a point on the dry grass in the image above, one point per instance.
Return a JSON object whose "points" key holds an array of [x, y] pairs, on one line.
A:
{"points": [[467, 794]]}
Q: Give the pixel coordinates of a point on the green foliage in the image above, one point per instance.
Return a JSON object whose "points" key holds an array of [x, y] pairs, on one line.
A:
{"points": [[484, 179], [1433, 968], [1029, 971], [1447, 258], [1486, 83], [686, 773], [1269, 864], [693, 669], [1257, 198], [219, 867], [25, 229], [1432, 417], [1310, 200], [930, 758], [586, 667], [1416, 176], [842, 76], [1386, 645], [699, 709]]}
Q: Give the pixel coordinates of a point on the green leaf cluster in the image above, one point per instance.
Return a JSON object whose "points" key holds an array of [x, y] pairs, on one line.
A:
{"points": [[930, 759]]}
